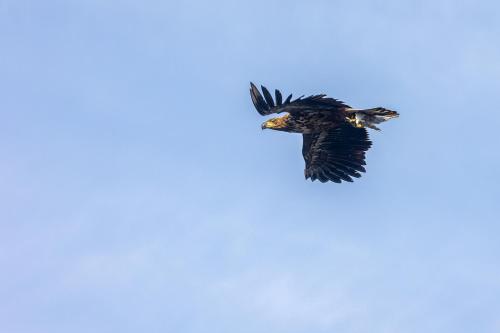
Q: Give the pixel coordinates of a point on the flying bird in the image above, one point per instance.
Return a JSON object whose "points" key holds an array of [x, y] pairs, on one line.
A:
{"points": [[335, 138]]}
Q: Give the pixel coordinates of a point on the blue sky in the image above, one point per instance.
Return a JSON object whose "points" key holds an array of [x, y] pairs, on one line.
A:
{"points": [[138, 193]]}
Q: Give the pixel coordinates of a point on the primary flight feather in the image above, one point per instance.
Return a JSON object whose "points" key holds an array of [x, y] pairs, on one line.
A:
{"points": [[335, 138]]}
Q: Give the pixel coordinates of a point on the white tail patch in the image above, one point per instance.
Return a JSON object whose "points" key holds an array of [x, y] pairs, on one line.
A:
{"points": [[370, 117]]}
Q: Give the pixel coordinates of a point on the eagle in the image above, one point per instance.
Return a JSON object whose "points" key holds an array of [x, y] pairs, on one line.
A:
{"points": [[335, 138]]}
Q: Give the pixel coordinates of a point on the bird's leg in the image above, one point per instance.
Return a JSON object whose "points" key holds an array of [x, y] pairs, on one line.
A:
{"points": [[351, 120]]}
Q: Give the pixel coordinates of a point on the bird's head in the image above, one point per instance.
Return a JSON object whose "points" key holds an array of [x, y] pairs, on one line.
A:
{"points": [[276, 123]]}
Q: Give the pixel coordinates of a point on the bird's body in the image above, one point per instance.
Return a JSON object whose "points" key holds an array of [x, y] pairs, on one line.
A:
{"points": [[334, 134], [306, 122]]}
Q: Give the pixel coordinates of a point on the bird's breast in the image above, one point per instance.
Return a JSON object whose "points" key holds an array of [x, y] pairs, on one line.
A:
{"points": [[313, 123]]}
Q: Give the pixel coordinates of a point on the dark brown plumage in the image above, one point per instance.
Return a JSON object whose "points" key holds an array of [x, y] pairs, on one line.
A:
{"points": [[335, 139]]}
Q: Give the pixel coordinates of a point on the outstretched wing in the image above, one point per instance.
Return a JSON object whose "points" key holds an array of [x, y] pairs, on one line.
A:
{"points": [[335, 155], [265, 105]]}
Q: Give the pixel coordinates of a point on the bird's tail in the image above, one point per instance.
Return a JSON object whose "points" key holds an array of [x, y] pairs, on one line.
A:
{"points": [[369, 117]]}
